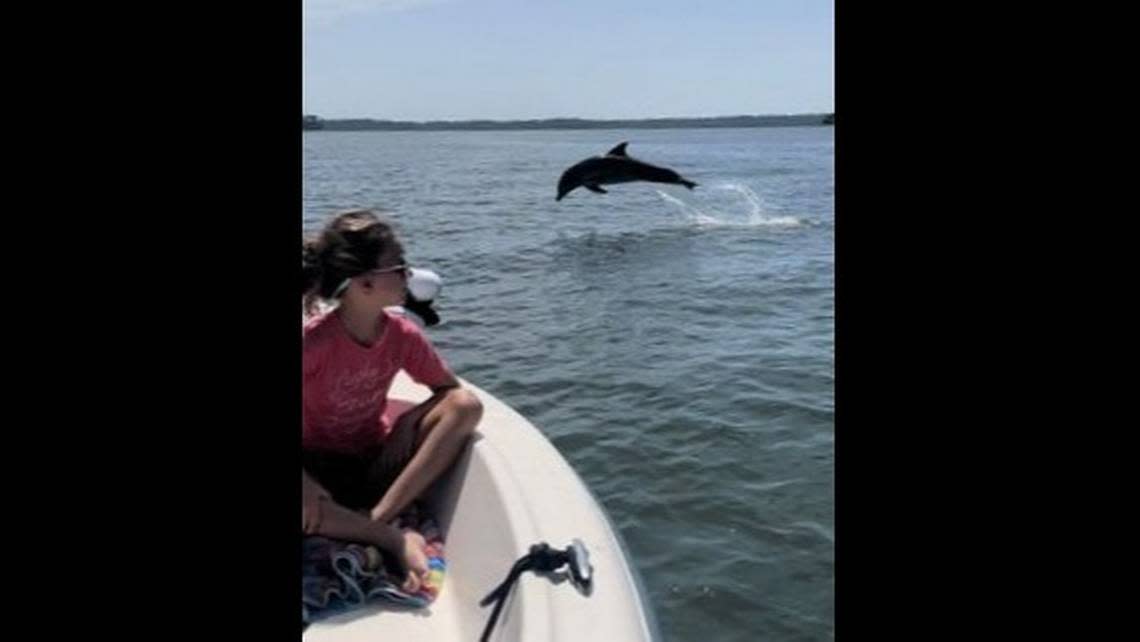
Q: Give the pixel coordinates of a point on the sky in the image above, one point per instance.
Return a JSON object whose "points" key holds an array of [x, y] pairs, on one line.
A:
{"points": [[525, 59]]}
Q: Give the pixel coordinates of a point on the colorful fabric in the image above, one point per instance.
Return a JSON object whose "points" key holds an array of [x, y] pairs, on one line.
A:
{"points": [[340, 576]]}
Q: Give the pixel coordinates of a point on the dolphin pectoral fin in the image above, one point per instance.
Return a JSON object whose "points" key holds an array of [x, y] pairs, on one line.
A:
{"points": [[595, 188], [619, 150]]}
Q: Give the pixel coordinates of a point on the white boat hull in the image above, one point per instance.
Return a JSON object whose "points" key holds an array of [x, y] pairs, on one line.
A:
{"points": [[510, 490]]}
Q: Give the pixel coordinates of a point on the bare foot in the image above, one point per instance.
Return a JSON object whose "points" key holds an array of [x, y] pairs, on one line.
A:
{"points": [[414, 558]]}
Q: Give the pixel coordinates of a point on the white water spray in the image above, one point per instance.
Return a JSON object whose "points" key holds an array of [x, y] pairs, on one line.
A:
{"points": [[725, 214]]}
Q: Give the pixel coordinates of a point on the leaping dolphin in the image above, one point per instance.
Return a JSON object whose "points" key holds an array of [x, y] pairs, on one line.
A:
{"points": [[615, 167]]}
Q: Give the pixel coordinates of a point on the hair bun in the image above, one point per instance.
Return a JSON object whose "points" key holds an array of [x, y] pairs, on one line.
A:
{"points": [[311, 266], [310, 256]]}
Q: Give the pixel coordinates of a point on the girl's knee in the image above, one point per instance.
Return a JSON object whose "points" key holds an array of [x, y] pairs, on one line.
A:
{"points": [[467, 405]]}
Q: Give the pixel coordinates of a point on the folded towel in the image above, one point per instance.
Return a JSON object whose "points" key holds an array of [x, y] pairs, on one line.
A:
{"points": [[338, 576]]}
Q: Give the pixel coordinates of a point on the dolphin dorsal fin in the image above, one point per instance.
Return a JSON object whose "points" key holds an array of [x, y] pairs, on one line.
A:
{"points": [[619, 150]]}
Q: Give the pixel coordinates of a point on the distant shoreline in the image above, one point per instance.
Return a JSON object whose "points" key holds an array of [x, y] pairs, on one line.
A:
{"points": [[368, 124]]}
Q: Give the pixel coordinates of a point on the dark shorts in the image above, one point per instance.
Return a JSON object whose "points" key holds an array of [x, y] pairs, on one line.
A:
{"points": [[355, 482]]}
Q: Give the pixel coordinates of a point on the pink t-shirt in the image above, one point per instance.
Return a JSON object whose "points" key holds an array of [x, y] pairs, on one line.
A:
{"points": [[345, 385]]}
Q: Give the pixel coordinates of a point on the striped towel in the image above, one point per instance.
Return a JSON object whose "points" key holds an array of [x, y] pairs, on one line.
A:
{"points": [[339, 576]]}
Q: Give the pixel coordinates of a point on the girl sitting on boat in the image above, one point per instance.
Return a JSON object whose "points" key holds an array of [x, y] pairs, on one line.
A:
{"points": [[365, 457]]}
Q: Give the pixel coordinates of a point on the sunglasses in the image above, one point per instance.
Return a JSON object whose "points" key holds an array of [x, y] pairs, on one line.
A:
{"points": [[401, 268]]}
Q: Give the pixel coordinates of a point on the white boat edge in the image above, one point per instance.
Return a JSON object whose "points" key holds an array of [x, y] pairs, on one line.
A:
{"points": [[509, 490]]}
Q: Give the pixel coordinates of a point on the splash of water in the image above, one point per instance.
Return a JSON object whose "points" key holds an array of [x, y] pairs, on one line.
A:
{"points": [[693, 212], [705, 214]]}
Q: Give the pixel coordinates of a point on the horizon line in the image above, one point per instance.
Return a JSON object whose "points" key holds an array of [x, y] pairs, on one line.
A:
{"points": [[492, 120]]}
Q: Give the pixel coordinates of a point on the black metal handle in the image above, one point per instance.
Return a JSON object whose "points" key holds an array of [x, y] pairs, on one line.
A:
{"points": [[540, 558]]}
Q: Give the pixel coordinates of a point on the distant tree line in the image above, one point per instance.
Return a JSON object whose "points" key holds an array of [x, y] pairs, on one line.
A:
{"points": [[364, 124]]}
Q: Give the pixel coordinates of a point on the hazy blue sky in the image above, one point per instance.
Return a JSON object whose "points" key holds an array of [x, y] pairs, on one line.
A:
{"points": [[518, 59]]}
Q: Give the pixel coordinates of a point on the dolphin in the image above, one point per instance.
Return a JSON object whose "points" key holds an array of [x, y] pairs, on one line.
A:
{"points": [[614, 167]]}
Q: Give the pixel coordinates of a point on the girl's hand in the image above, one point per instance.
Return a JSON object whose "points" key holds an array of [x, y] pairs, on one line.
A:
{"points": [[312, 496], [311, 515]]}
